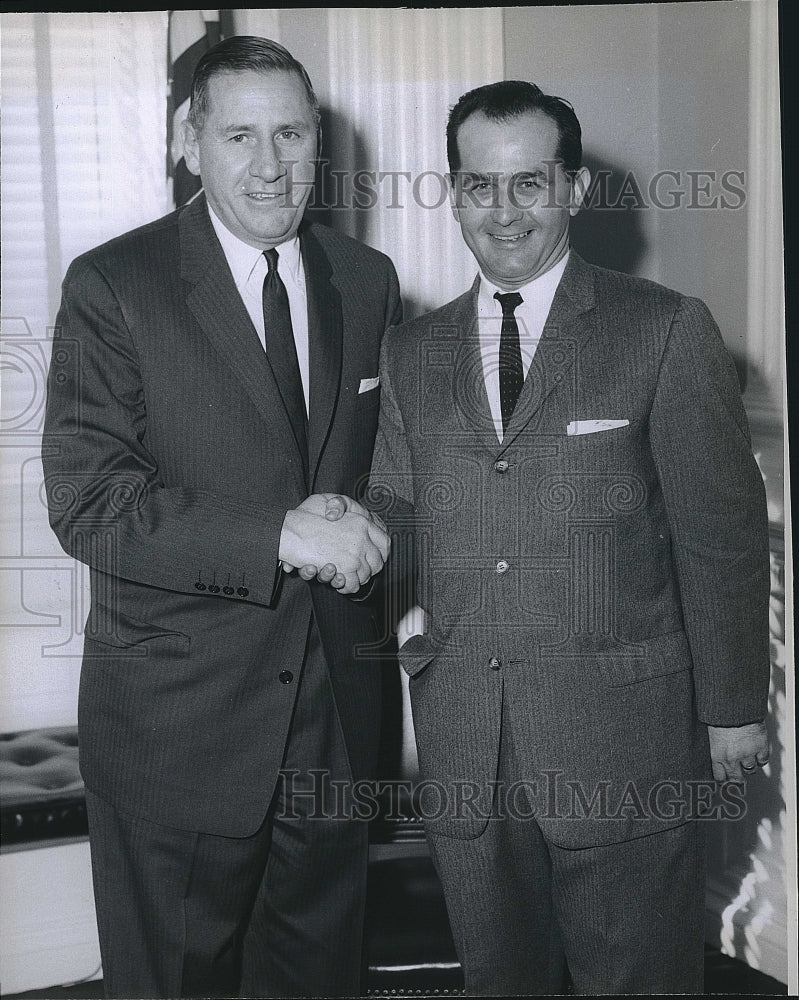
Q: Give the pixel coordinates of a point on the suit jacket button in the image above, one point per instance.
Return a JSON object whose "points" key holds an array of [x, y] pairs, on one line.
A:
{"points": [[213, 589], [199, 586], [242, 591], [503, 566], [501, 465], [494, 663], [228, 591], [285, 677]]}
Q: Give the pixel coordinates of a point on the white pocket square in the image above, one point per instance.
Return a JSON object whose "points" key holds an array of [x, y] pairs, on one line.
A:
{"points": [[368, 383], [593, 426]]}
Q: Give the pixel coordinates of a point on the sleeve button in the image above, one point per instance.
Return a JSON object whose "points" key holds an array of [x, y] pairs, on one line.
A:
{"points": [[199, 586], [242, 591]]}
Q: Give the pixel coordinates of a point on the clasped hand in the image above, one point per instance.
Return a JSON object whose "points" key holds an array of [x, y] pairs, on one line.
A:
{"points": [[334, 539]]}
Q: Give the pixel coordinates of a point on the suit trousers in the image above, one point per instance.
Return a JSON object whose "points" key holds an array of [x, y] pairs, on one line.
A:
{"points": [[527, 915], [276, 914]]}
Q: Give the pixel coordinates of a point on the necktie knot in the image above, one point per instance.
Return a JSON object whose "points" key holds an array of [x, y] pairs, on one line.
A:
{"points": [[271, 260], [508, 301]]}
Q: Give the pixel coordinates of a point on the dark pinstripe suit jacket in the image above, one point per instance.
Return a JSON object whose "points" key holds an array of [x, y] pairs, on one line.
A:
{"points": [[170, 463], [610, 587]]}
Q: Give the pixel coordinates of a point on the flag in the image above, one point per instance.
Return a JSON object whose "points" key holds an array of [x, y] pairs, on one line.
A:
{"points": [[190, 34]]}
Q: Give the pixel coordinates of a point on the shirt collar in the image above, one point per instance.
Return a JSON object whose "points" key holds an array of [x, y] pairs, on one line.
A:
{"points": [[243, 259], [541, 288]]}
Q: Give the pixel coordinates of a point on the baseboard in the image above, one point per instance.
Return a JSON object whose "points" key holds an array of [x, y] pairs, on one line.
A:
{"points": [[48, 932]]}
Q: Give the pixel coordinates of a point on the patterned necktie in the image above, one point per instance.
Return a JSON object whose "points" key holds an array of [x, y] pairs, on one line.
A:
{"points": [[281, 349], [511, 372]]}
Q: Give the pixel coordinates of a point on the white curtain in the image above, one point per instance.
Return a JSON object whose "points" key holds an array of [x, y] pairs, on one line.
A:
{"points": [[394, 75], [83, 159]]}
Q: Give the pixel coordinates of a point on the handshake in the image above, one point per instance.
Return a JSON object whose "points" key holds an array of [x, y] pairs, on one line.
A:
{"points": [[334, 539]]}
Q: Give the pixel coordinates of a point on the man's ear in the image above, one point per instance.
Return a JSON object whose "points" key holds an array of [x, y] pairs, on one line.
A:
{"points": [[191, 147], [455, 194], [580, 184]]}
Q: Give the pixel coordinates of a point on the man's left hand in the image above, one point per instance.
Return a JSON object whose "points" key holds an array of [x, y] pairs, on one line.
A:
{"points": [[736, 752]]}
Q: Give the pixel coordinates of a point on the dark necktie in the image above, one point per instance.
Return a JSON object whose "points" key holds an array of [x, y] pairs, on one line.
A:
{"points": [[281, 349], [511, 372]]}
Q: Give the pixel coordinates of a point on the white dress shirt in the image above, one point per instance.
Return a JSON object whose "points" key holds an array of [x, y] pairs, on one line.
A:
{"points": [[531, 315], [248, 266]]}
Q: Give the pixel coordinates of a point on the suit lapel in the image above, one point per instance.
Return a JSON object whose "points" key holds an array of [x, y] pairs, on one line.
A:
{"points": [[567, 331], [324, 345], [468, 383], [223, 317]]}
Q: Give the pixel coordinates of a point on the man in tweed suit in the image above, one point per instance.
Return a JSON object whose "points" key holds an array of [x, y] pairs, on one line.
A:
{"points": [[188, 459], [570, 448]]}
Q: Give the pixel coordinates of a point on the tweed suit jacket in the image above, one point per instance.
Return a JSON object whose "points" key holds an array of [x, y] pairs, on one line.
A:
{"points": [[169, 463], [598, 582]]}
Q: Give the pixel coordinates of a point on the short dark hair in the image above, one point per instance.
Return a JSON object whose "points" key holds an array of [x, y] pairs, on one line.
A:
{"points": [[508, 99], [239, 54]]}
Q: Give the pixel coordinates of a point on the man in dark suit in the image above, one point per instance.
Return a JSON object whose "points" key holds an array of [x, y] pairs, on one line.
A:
{"points": [[570, 447], [213, 383]]}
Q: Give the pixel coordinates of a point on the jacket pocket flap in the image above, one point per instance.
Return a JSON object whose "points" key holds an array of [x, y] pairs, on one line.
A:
{"points": [[416, 653], [113, 627], [653, 657]]}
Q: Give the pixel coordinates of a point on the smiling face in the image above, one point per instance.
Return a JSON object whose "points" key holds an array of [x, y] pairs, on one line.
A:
{"points": [[255, 153], [512, 199]]}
